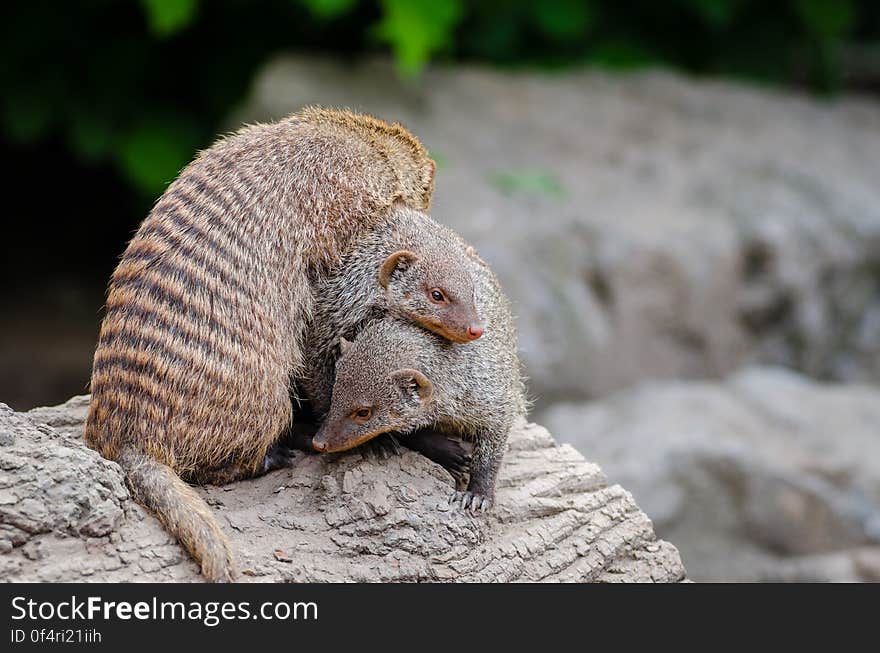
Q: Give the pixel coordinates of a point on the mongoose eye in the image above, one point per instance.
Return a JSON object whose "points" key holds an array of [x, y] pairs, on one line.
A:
{"points": [[438, 296], [361, 415]]}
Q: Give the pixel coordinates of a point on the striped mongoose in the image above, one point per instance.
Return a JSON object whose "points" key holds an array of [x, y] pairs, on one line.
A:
{"points": [[408, 266], [398, 377], [206, 311]]}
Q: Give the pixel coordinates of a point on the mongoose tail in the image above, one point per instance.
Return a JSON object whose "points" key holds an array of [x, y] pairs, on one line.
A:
{"points": [[182, 511]]}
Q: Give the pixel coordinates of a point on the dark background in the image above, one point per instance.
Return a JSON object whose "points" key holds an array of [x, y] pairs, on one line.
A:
{"points": [[104, 101]]}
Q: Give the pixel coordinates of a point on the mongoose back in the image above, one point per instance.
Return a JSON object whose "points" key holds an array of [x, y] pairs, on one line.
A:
{"points": [[396, 376], [206, 310], [408, 266]]}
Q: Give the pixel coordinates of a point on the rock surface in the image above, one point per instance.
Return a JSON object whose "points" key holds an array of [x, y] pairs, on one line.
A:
{"points": [[65, 515], [645, 225], [765, 476]]}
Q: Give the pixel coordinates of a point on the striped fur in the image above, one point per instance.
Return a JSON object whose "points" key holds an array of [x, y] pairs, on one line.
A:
{"points": [[206, 311]]}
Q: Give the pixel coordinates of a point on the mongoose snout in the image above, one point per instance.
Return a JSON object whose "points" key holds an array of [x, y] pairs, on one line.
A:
{"points": [[335, 437]]}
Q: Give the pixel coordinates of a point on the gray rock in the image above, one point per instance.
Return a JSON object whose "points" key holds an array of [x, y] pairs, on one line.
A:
{"points": [[645, 225], [852, 566], [49, 487], [767, 475], [65, 515]]}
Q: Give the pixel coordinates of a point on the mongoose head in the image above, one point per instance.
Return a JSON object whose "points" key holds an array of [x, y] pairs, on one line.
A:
{"points": [[435, 292], [371, 397]]}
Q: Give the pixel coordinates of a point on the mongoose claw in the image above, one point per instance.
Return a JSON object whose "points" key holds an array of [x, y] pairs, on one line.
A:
{"points": [[470, 501]]}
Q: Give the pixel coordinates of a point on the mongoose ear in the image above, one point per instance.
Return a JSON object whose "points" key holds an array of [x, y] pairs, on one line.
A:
{"points": [[344, 346], [409, 380], [400, 259]]}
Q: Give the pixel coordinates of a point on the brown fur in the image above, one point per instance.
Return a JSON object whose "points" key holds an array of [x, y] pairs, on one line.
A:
{"points": [[206, 310], [404, 378], [390, 271]]}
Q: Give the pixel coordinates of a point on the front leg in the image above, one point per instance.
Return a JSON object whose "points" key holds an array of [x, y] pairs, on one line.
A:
{"points": [[442, 449], [489, 449], [433, 445]]}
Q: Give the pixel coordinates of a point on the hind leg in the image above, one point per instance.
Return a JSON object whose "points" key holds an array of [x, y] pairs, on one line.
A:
{"points": [[279, 456], [264, 426]]}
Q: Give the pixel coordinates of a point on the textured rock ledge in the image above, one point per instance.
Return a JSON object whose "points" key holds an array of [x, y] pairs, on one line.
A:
{"points": [[65, 515]]}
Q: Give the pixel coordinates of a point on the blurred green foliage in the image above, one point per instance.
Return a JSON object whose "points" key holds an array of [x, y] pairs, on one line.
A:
{"points": [[165, 17], [542, 183], [415, 29], [140, 84]]}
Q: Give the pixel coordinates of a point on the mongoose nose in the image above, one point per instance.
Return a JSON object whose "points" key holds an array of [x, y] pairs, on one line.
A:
{"points": [[475, 331], [318, 446]]}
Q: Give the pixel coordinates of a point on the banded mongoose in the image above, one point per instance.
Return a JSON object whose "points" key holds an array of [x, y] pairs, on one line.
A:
{"points": [[206, 311], [398, 377], [407, 266]]}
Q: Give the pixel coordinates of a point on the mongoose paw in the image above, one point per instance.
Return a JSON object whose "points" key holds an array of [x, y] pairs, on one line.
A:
{"points": [[382, 447], [298, 440], [448, 453], [278, 457], [458, 469], [470, 501], [444, 450]]}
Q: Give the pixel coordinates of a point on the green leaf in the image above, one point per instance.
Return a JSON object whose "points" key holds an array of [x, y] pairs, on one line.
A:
{"points": [[827, 19], [327, 9], [154, 152], [564, 19], [416, 29], [166, 17]]}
